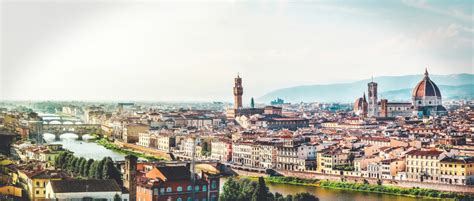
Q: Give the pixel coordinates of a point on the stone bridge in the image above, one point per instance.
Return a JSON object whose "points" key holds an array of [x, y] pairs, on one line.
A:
{"points": [[78, 129]]}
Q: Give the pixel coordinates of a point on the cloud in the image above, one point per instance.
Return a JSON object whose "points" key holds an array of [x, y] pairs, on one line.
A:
{"points": [[450, 12]]}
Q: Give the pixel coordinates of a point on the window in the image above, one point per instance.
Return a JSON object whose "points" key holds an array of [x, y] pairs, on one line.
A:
{"points": [[155, 191], [213, 184], [196, 188], [190, 188], [179, 189], [179, 199], [37, 192], [204, 199], [162, 190], [204, 188], [168, 190], [190, 199], [37, 183]]}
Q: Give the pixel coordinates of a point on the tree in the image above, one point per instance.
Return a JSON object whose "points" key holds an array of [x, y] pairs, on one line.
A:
{"points": [[252, 103], [261, 192], [59, 160], [99, 169], [305, 197], [247, 189], [93, 169], [230, 190], [117, 197], [71, 164], [66, 160], [85, 170], [206, 148], [80, 165], [279, 197], [111, 172], [379, 182]]}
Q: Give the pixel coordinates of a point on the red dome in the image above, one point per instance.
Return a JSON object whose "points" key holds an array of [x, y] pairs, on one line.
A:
{"points": [[426, 87]]}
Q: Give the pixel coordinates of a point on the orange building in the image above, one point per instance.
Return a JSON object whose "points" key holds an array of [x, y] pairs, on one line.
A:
{"points": [[174, 183]]}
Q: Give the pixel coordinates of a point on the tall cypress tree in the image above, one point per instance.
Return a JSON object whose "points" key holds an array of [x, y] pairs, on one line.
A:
{"points": [[93, 169], [85, 171], [262, 192], [80, 166], [100, 169], [111, 172]]}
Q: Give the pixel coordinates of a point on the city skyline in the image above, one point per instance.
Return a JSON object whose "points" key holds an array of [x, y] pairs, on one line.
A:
{"points": [[139, 50]]}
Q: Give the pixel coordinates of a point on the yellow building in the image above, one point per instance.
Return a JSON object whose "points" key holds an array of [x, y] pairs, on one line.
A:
{"points": [[11, 190], [423, 165], [327, 160], [34, 181], [458, 170]]}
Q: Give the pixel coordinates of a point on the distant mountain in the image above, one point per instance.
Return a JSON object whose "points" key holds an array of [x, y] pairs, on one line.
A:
{"points": [[447, 92], [455, 85]]}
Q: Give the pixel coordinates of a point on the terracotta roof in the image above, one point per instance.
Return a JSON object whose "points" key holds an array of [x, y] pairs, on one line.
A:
{"points": [[90, 185], [424, 153], [175, 172], [426, 87]]}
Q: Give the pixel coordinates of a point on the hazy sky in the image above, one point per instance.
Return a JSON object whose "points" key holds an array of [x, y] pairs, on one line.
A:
{"points": [[192, 50]]}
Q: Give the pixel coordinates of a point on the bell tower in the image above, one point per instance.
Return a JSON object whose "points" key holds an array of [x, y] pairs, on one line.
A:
{"points": [[238, 91], [130, 172], [373, 107]]}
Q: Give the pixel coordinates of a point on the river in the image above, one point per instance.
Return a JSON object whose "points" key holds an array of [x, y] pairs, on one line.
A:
{"points": [[89, 149], [86, 148]]}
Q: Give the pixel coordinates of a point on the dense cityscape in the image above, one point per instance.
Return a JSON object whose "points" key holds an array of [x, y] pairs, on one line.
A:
{"points": [[236, 100], [194, 151]]}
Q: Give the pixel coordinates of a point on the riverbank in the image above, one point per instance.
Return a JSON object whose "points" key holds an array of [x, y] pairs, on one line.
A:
{"points": [[112, 146], [369, 188]]}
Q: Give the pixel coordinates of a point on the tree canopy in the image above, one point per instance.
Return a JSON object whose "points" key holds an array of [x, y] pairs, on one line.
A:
{"points": [[245, 189]]}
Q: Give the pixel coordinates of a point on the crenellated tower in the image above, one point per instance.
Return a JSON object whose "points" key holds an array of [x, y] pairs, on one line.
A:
{"points": [[238, 91]]}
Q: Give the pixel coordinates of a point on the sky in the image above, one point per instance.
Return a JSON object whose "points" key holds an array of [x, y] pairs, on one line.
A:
{"points": [[192, 50]]}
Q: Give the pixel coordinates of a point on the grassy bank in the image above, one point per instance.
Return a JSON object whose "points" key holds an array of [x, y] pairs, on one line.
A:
{"points": [[293, 180], [411, 192], [285, 180], [393, 190], [109, 145]]}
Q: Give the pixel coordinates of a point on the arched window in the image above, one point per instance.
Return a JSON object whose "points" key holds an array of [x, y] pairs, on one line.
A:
{"points": [[204, 188], [190, 199], [168, 190], [179, 199], [179, 189], [190, 188], [196, 188]]}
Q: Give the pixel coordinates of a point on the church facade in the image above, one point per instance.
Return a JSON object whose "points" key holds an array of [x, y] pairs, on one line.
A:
{"points": [[426, 101]]}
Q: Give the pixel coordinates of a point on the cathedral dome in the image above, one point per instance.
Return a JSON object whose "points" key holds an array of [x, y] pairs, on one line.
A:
{"points": [[426, 87], [360, 105]]}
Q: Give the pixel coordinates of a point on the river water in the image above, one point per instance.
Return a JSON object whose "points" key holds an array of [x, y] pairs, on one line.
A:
{"points": [[86, 148], [89, 149]]}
